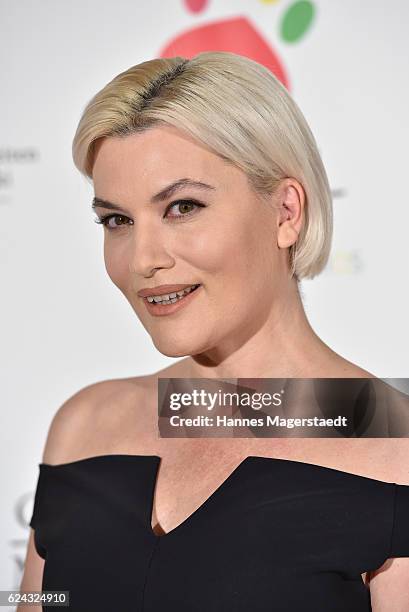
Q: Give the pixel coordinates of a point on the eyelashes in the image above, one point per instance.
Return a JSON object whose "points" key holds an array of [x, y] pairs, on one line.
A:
{"points": [[105, 219]]}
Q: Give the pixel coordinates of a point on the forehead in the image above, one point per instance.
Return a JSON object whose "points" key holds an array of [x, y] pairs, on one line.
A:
{"points": [[154, 158]]}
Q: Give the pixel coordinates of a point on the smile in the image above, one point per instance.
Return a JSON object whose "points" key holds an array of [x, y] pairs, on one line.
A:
{"points": [[170, 298], [169, 303]]}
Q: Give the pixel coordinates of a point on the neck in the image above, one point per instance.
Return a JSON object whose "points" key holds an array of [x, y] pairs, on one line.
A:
{"points": [[285, 346]]}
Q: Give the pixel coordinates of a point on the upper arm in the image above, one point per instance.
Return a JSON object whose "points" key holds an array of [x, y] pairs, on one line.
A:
{"points": [[33, 574], [68, 426], [389, 584]]}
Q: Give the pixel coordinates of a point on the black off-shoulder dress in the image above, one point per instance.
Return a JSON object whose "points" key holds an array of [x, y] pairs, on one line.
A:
{"points": [[277, 535]]}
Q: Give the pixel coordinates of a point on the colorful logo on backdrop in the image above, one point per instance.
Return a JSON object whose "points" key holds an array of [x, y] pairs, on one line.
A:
{"points": [[292, 22], [239, 35]]}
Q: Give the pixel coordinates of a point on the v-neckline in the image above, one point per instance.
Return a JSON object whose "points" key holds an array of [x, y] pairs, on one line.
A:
{"points": [[224, 485], [201, 508]]}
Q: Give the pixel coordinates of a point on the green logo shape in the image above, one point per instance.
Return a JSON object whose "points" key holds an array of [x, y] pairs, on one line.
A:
{"points": [[297, 20]]}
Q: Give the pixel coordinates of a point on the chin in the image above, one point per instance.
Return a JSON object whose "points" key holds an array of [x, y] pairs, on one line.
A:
{"points": [[174, 347]]}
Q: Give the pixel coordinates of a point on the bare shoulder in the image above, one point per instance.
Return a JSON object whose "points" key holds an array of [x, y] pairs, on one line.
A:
{"points": [[92, 408], [387, 459], [384, 459], [339, 367], [397, 451], [358, 372]]}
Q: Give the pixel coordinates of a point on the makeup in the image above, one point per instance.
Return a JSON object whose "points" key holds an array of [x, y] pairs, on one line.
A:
{"points": [[157, 309]]}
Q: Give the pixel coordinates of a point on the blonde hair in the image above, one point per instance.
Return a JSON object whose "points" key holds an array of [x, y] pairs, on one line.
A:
{"points": [[240, 111]]}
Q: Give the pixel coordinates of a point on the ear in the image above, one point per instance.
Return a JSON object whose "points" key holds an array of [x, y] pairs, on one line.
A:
{"points": [[290, 207]]}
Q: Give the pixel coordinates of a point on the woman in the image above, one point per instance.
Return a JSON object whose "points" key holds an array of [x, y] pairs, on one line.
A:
{"points": [[207, 178]]}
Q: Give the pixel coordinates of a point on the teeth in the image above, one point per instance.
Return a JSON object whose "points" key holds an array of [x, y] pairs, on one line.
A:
{"points": [[170, 298]]}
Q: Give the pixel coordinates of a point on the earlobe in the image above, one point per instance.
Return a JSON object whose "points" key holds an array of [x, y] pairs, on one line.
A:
{"points": [[290, 214], [286, 235]]}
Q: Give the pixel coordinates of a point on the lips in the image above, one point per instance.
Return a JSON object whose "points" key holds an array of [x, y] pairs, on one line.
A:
{"points": [[162, 289], [170, 297], [159, 309]]}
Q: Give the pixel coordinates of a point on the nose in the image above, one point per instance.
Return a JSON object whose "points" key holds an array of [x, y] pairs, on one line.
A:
{"points": [[148, 252]]}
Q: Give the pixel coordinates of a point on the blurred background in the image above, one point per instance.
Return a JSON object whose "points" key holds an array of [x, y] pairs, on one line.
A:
{"points": [[64, 325]]}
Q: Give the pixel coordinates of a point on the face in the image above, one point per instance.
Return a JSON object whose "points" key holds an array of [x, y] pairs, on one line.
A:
{"points": [[222, 237]]}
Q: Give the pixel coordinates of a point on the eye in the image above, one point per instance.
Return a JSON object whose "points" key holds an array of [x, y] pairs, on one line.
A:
{"points": [[105, 221], [184, 208]]}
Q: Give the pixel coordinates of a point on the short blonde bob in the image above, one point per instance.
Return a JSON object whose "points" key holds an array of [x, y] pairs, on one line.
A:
{"points": [[241, 112]]}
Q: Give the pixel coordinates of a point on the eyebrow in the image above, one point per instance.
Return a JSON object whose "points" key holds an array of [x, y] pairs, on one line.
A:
{"points": [[162, 195]]}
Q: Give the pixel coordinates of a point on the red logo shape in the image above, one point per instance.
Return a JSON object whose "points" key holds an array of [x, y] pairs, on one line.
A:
{"points": [[235, 35], [196, 6]]}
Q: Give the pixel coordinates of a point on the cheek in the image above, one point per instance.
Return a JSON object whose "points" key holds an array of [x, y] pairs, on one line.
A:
{"points": [[116, 264], [241, 249], [206, 250], [218, 247], [258, 253]]}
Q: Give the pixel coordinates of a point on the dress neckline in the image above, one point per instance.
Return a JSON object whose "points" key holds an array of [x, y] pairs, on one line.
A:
{"points": [[158, 459], [187, 521], [246, 459]]}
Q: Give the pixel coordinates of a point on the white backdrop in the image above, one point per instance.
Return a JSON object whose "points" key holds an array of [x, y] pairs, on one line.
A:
{"points": [[63, 324]]}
